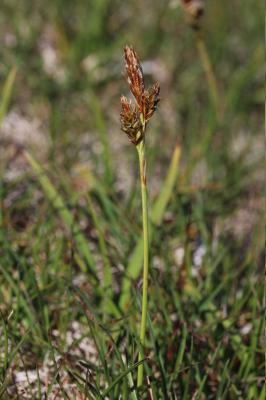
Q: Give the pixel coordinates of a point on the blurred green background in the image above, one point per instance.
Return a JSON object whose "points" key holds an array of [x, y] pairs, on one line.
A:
{"points": [[207, 253]]}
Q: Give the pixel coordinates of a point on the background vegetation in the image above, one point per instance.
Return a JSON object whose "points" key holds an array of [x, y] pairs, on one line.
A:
{"points": [[73, 217]]}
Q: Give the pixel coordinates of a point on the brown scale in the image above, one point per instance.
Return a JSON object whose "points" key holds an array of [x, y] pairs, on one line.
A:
{"points": [[135, 117]]}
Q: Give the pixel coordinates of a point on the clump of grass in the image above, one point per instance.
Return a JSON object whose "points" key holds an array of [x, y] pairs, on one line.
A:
{"points": [[133, 122]]}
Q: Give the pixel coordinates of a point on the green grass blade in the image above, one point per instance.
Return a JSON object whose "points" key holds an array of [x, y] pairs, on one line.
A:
{"points": [[4, 363], [157, 212], [6, 93], [107, 271], [131, 386], [181, 351], [121, 376], [160, 205], [57, 202], [263, 393], [103, 134], [11, 357], [20, 294]]}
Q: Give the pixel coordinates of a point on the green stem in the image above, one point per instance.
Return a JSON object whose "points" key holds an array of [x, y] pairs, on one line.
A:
{"points": [[208, 69], [142, 169]]}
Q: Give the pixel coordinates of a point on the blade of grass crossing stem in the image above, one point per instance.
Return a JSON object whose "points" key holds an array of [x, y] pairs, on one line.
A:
{"points": [[56, 200], [6, 93], [121, 376], [135, 263], [123, 362], [133, 394]]}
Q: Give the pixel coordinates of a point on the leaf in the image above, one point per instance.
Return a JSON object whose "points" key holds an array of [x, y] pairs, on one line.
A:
{"points": [[58, 203], [121, 376], [6, 93]]}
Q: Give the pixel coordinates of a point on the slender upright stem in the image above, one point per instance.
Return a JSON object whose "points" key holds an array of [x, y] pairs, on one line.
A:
{"points": [[208, 69], [142, 169]]}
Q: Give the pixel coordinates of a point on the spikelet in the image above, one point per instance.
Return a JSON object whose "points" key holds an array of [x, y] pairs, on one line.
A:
{"points": [[150, 100], [134, 75], [134, 118], [130, 121]]}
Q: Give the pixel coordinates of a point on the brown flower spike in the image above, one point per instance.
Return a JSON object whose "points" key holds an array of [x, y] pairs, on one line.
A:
{"points": [[134, 118]]}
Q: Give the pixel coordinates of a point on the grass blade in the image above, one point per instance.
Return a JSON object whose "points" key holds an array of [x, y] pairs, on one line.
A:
{"points": [[11, 357], [103, 134], [58, 203], [121, 376], [181, 351], [107, 269], [7, 91]]}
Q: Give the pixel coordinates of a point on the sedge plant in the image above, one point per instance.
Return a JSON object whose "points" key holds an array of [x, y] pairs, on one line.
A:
{"points": [[134, 119]]}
